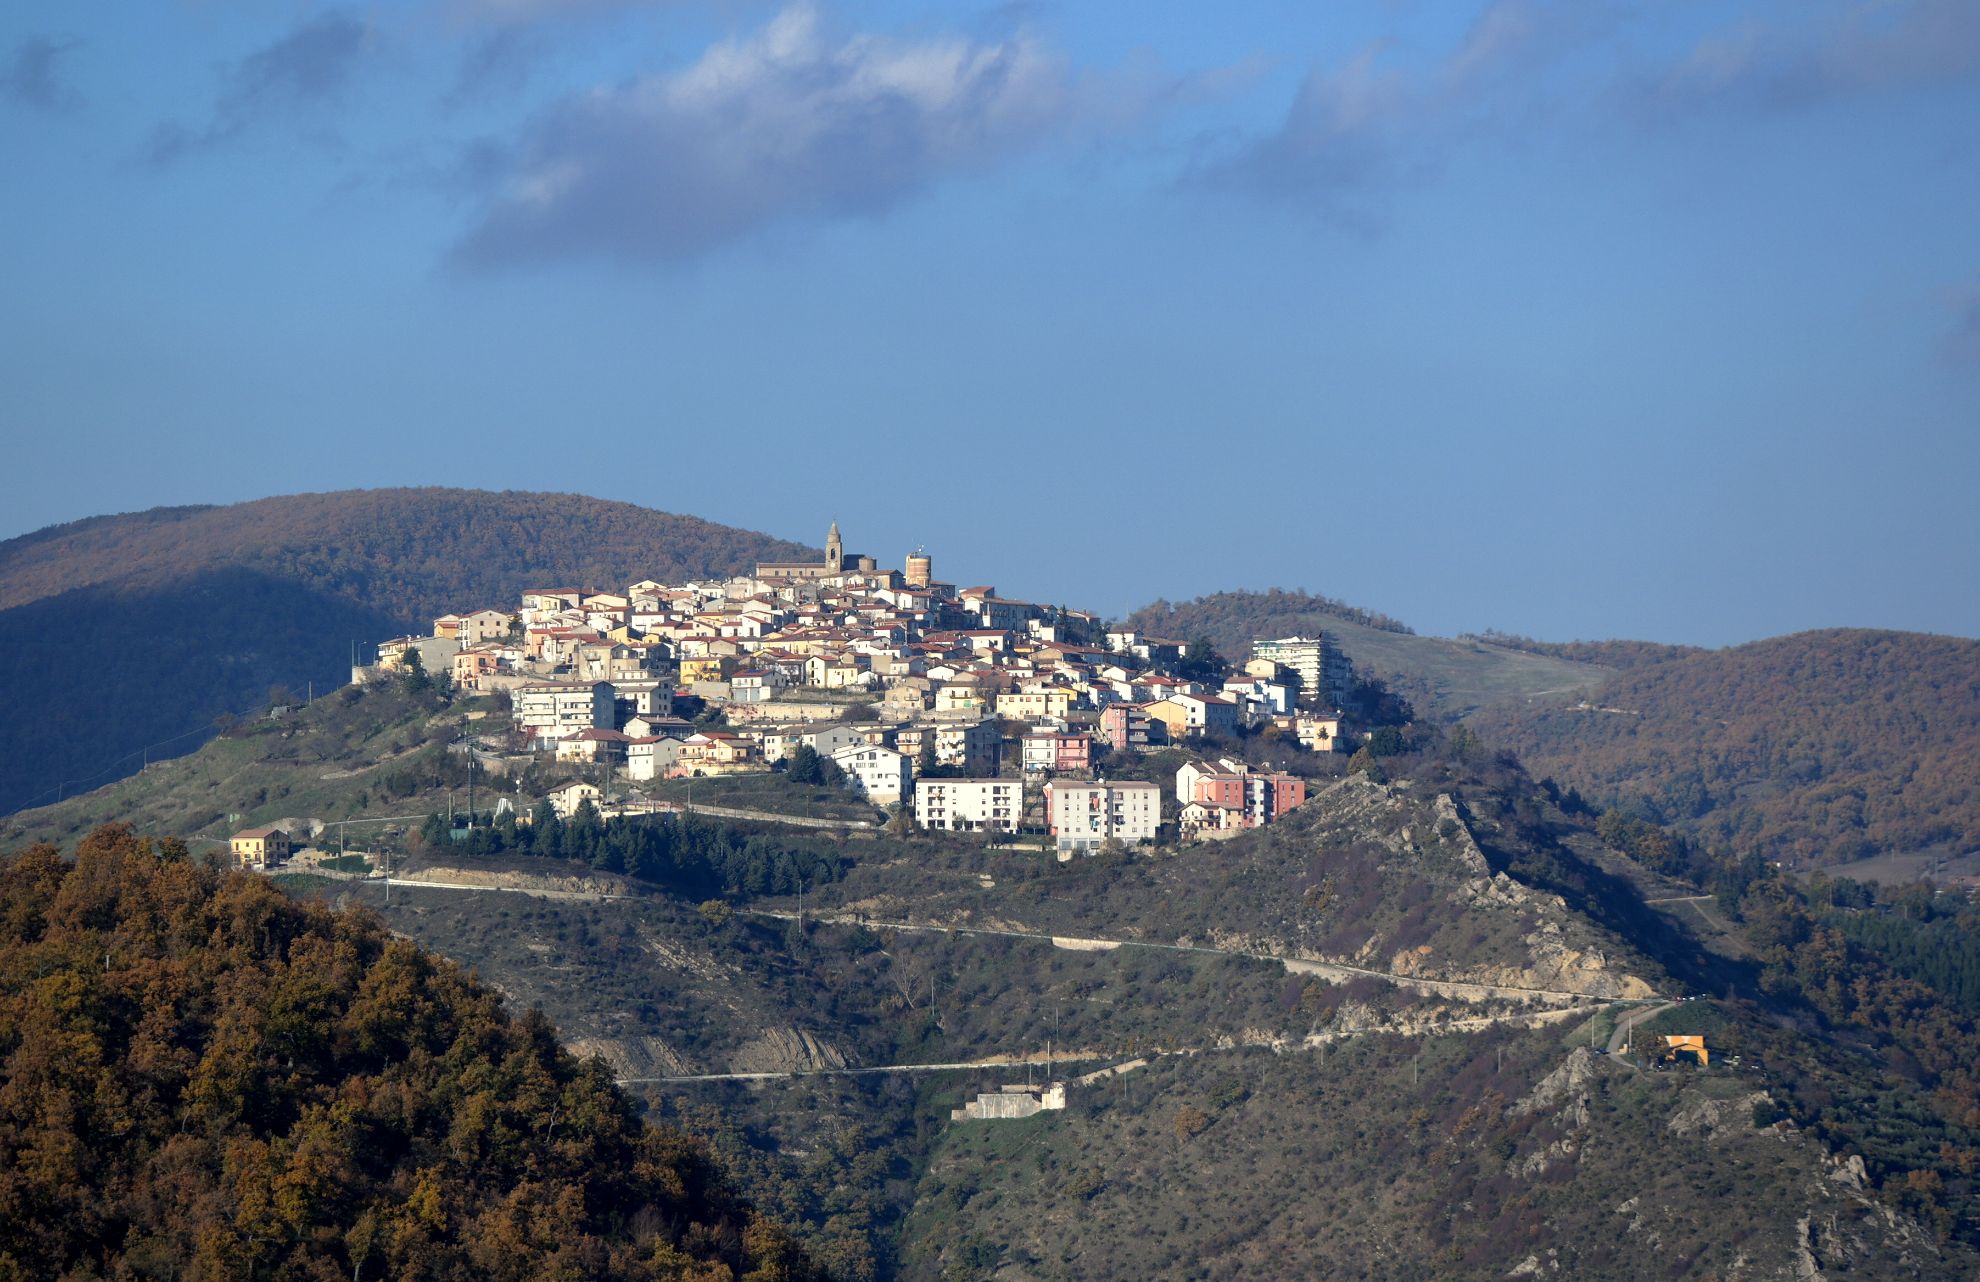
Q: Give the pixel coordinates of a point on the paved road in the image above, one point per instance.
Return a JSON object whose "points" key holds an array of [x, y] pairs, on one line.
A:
{"points": [[1126, 1061], [1462, 989], [1619, 1040]]}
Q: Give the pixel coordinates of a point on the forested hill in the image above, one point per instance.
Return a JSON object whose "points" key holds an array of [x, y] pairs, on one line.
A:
{"points": [[1822, 746], [1231, 620], [412, 553], [124, 631], [1443, 678], [205, 1079]]}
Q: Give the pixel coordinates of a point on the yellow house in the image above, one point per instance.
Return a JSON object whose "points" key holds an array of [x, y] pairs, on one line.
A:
{"points": [[1688, 1044], [712, 668], [260, 847], [1171, 714]]}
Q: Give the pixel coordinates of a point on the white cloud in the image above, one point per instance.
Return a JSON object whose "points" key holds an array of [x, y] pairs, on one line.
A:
{"points": [[788, 122]]}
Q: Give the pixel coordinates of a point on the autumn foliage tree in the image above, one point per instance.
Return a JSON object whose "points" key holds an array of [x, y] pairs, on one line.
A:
{"points": [[206, 1080]]}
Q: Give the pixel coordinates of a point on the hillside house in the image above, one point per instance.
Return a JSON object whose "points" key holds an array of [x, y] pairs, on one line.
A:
{"points": [[261, 848], [651, 757], [568, 799], [1058, 752], [594, 744], [885, 776]]}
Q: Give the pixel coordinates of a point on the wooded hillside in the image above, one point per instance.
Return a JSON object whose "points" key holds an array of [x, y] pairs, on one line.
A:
{"points": [[1823, 746], [206, 1080]]}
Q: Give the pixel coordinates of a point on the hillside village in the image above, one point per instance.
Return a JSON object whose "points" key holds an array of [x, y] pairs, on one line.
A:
{"points": [[957, 708]]}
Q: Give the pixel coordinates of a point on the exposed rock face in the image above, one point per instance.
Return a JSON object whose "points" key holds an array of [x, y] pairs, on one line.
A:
{"points": [[786, 1050], [585, 884], [1570, 1082], [1706, 1118], [633, 1057], [1837, 1229]]}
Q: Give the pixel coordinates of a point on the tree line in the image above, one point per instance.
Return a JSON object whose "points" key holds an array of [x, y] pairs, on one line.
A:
{"points": [[687, 854]]}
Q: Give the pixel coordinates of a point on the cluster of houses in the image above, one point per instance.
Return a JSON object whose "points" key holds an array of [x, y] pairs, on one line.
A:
{"points": [[887, 672]]}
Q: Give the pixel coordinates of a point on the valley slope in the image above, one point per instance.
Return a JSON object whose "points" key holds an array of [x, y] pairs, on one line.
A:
{"points": [[1816, 748]]}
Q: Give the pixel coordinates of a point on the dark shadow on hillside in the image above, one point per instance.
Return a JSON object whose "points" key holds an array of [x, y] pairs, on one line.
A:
{"points": [[96, 675], [1537, 859]]}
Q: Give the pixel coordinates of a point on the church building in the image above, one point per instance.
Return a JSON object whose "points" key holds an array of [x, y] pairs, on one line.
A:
{"points": [[837, 562]]}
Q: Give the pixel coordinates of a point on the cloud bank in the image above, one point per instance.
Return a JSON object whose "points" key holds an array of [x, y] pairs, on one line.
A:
{"points": [[787, 123], [1357, 128]]}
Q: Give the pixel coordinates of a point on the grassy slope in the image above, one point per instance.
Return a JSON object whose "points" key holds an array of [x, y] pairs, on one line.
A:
{"points": [[1445, 678], [354, 754]]}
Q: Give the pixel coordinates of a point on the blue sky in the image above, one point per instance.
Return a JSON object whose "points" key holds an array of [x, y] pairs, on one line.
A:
{"points": [[1581, 319]]}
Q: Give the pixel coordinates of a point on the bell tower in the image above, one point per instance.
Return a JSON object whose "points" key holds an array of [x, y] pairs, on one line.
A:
{"points": [[835, 550]]}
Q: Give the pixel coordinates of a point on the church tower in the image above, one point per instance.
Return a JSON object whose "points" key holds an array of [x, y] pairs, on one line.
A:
{"points": [[835, 550]]}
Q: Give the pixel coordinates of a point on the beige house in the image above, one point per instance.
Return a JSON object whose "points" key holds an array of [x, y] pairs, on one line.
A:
{"points": [[474, 628], [1035, 705], [260, 847]]}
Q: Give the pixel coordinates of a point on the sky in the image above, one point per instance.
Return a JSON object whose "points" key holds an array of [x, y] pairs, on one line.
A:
{"points": [[1597, 318]]}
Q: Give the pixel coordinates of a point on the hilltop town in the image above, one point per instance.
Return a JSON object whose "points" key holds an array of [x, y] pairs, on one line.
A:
{"points": [[953, 707]]}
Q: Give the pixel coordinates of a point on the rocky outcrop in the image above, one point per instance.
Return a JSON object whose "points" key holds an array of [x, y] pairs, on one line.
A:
{"points": [[634, 1057], [501, 879], [786, 1050]]}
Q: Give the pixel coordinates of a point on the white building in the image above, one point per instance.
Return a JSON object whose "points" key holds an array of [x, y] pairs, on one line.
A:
{"points": [[554, 709], [881, 773], [651, 758], [1324, 672], [969, 805], [1084, 815]]}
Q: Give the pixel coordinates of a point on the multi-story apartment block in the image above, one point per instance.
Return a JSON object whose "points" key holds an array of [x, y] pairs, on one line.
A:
{"points": [[1085, 815], [1325, 674], [969, 805], [554, 709]]}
